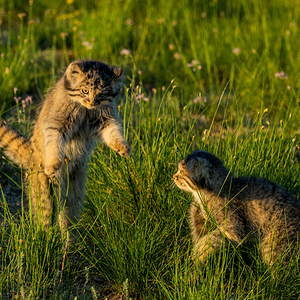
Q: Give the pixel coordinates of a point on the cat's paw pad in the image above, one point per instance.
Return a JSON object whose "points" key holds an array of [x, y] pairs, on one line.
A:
{"points": [[124, 150]]}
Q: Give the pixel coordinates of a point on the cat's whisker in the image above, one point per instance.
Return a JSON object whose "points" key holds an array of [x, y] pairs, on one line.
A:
{"points": [[173, 185]]}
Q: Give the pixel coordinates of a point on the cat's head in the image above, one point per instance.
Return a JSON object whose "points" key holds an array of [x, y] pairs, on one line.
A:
{"points": [[92, 83], [198, 170]]}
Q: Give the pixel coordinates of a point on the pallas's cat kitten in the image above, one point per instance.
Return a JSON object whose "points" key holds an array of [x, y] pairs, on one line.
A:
{"points": [[244, 208], [79, 110]]}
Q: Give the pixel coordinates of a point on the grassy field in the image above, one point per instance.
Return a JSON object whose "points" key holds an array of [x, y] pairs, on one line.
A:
{"points": [[216, 75]]}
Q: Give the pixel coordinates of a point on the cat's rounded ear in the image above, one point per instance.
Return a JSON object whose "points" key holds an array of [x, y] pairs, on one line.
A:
{"points": [[73, 70], [117, 71]]}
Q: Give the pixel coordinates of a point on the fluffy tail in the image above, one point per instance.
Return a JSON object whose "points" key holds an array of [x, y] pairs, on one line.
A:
{"points": [[15, 146]]}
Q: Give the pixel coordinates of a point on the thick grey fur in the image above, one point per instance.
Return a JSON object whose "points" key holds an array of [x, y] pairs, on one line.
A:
{"points": [[245, 209]]}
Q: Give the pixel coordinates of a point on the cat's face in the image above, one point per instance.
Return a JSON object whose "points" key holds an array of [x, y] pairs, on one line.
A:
{"points": [[92, 83], [184, 176], [195, 170]]}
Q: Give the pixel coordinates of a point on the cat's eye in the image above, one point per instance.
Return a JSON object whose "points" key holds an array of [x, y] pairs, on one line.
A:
{"points": [[103, 94], [85, 91]]}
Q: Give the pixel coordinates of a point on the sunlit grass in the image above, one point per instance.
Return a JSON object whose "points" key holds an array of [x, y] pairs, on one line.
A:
{"points": [[134, 231], [138, 221]]}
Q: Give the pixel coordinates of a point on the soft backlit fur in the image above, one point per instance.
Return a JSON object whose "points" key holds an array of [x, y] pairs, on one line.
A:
{"points": [[79, 110], [245, 209]]}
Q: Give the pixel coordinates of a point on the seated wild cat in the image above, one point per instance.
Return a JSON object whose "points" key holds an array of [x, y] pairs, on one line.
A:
{"points": [[244, 208], [79, 110]]}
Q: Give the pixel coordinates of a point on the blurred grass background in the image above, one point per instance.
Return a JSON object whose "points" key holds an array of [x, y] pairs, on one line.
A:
{"points": [[202, 44]]}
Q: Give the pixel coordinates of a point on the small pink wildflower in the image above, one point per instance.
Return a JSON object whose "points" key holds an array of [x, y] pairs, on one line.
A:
{"points": [[281, 75], [15, 90], [88, 45], [142, 97], [193, 64], [201, 100], [28, 99], [125, 52], [236, 51]]}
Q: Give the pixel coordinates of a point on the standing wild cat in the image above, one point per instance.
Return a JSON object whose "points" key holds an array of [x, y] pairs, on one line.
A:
{"points": [[79, 110], [244, 208]]}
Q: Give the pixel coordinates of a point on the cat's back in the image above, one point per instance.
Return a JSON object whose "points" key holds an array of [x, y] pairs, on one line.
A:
{"points": [[256, 188], [265, 202]]}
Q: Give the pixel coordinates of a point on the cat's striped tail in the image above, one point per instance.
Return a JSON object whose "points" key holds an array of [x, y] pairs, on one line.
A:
{"points": [[15, 146]]}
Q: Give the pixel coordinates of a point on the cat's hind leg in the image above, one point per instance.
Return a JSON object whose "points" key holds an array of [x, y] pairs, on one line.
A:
{"points": [[71, 204], [277, 250], [41, 198]]}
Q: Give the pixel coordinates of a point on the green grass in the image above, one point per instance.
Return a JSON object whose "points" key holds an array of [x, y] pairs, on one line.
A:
{"points": [[141, 226], [134, 231]]}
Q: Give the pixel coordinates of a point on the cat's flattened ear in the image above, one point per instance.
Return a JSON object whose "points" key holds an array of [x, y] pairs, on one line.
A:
{"points": [[73, 70], [202, 166], [117, 71]]}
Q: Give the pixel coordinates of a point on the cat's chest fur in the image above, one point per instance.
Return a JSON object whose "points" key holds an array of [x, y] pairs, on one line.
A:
{"points": [[82, 141], [78, 147]]}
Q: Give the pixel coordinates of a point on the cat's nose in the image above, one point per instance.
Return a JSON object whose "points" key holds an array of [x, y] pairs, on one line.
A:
{"points": [[174, 176]]}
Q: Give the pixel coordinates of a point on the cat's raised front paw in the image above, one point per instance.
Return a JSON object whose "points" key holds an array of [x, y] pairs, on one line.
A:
{"points": [[124, 150]]}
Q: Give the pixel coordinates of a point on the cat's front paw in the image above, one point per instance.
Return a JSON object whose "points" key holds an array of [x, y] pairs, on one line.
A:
{"points": [[52, 166], [124, 149]]}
